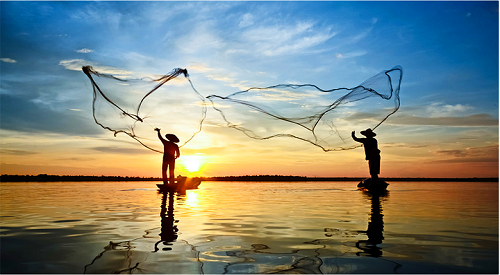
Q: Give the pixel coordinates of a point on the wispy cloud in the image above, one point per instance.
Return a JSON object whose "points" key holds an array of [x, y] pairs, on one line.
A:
{"points": [[455, 153], [246, 20], [471, 154], [283, 95], [8, 60], [286, 39], [100, 13], [472, 120], [201, 40], [351, 54], [118, 150], [16, 152], [84, 50], [447, 110], [199, 68], [358, 37], [404, 145], [76, 65], [218, 75]]}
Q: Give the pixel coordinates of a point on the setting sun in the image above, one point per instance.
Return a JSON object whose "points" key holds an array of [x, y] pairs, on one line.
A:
{"points": [[192, 163]]}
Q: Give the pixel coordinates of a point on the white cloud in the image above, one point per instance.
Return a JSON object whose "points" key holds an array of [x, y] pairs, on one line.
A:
{"points": [[351, 54], [356, 38], [446, 110], [84, 50], [100, 13], [246, 20], [77, 64], [278, 40], [199, 68], [471, 120], [201, 40], [221, 77], [218, 74], [8, 60], [283, 95], [347, 41]]}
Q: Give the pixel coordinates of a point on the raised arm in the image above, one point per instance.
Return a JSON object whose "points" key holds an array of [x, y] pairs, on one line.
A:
{"points": [[159, 135], [355, 138]]}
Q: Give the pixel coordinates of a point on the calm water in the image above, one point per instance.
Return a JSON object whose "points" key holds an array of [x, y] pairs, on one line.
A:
{"points": [[246, 227]]}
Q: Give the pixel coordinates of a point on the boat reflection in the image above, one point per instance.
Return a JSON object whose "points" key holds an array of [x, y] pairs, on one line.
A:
{"points": [[168, 233], [330, 255], [375, 227]]}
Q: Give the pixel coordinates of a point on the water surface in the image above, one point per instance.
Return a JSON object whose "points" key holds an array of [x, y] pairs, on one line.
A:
{"points": [[248, 227]]}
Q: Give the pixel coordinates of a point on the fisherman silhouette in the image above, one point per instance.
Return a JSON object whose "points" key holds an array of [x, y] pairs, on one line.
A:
{"points": [[371, 151], [170, 154]]}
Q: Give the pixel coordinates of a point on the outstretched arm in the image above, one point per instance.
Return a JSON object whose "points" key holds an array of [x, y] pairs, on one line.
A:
{"points": [[159, 135], [355, 138]]}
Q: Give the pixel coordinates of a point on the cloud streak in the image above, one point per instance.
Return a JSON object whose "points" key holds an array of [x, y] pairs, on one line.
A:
{"points": [[351, 54], [471, 154], [77, 64], [16, 152], [472, 120], [447, 110], [118, 150], [285, 39], [8, 60], [85, 50]]}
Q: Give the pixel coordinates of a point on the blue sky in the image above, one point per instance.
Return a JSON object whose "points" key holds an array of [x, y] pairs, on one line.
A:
{"points": [[449, 94]]}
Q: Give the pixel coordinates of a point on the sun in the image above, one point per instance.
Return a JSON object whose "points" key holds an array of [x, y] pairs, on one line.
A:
{"points": [[192, 163]]}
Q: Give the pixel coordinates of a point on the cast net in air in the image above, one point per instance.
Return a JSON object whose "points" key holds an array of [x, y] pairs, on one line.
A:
{"points": [[135, 106], [324, 118]]}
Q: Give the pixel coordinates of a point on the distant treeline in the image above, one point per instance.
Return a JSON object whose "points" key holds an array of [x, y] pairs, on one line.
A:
{"points": [[53, 178], [45, 177], [300, 178]]}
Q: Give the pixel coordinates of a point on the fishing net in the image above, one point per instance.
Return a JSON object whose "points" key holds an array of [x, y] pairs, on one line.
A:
{"points": [[324, 118], [121, 106]]}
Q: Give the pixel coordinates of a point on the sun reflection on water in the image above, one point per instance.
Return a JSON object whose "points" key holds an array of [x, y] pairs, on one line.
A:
{"points": [[192, 199]]}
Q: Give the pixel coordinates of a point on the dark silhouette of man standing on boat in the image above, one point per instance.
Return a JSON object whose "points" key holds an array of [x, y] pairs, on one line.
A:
{"points": [[371, 151], [170, 154]]}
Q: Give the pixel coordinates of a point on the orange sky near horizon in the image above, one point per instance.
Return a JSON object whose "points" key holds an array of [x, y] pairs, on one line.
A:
{"points": [[51, 154]]}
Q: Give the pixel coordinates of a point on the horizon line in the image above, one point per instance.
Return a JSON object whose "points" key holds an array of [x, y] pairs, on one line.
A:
{"points": [[47, 177]]}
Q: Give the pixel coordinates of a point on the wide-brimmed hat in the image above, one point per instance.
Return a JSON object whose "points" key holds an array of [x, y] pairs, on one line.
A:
{"points": [[368, 133], [172, 137]]}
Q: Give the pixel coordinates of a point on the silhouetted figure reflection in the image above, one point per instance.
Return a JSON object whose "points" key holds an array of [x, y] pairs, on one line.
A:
{"points": [[375, 228], [170, 154], [169, 230], [371, 151]]}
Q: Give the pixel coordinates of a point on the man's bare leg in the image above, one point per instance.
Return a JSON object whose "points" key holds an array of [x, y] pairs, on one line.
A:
{"points": [[164, 173], [171, 174]]}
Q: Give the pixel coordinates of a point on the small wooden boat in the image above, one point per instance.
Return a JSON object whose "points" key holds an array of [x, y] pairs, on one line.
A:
{"points": [[373, 186], [180, 184]]}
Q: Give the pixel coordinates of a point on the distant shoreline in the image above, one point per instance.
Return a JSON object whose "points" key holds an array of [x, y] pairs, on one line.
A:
{"points": [[55, 178]]}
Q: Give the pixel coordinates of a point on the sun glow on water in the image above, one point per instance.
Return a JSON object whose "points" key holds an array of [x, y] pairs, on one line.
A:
{"points": [[192, 199]]}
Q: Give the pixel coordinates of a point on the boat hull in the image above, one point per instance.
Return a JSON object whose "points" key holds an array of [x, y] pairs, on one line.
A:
{"points": [[373, 186], [181, 184]]}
